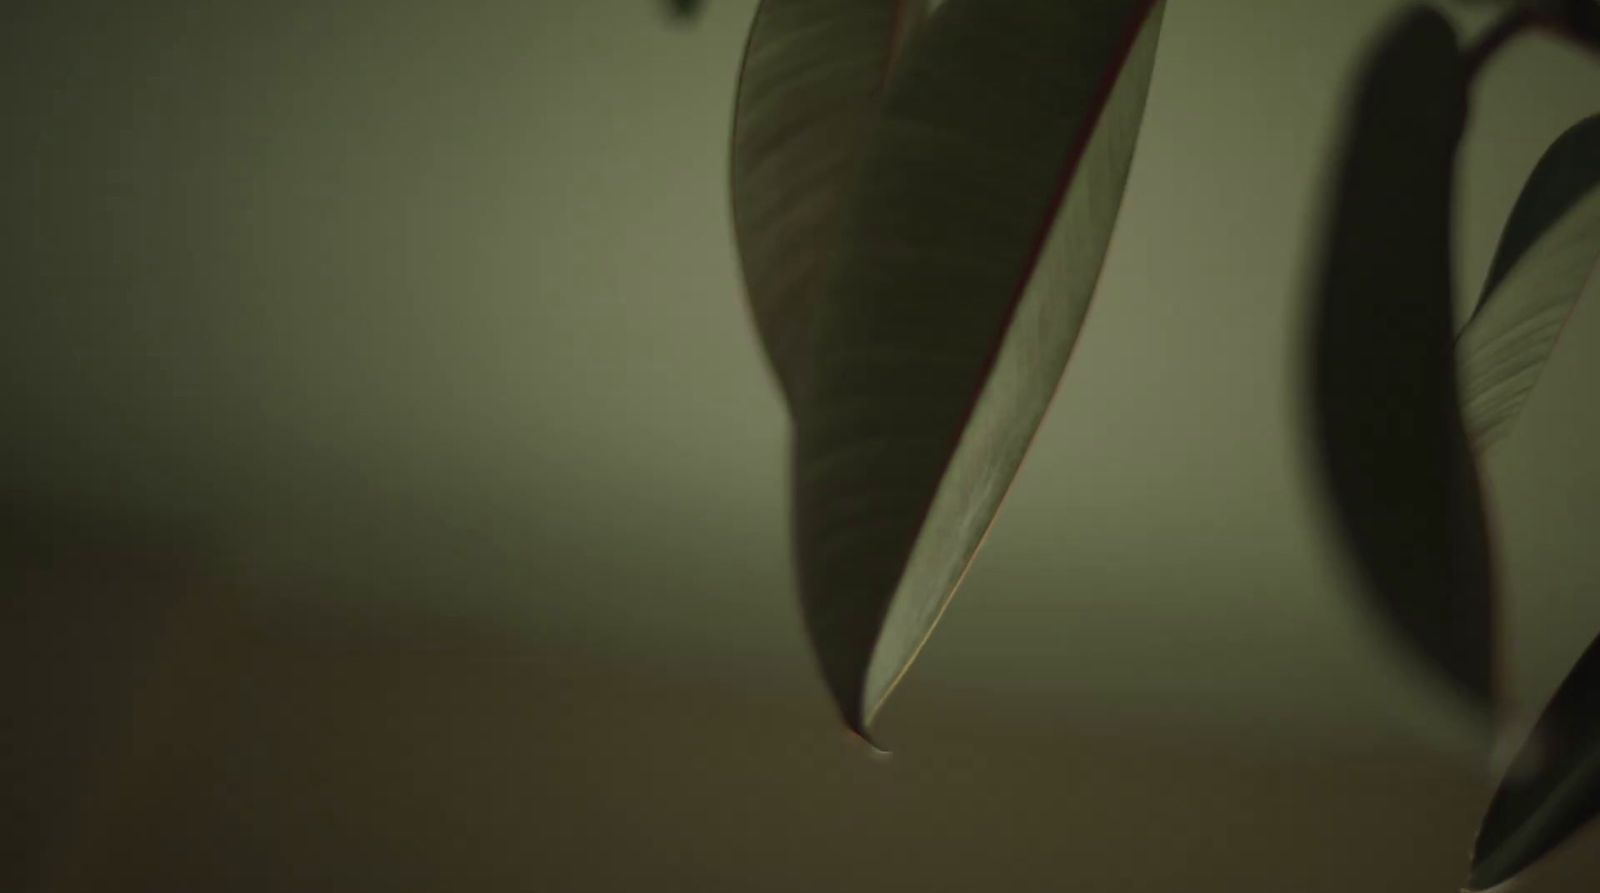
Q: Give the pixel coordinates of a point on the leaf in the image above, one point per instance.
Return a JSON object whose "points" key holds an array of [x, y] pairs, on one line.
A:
{"points": [[809, 90], [1548, 254], [1392, 450], [969, 253], [1553, 786]]}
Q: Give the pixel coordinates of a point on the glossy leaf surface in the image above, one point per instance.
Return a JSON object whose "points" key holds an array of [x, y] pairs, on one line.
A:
{"points": [[813, 76], [1392, 449], [1547, 256], [968, 256]]}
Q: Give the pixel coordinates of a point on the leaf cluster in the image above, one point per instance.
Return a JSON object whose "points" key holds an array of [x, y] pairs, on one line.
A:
{"points": [[923, 201]]}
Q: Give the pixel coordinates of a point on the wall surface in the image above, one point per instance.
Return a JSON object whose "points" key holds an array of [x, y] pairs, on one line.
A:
{"points": [[394, 488]]}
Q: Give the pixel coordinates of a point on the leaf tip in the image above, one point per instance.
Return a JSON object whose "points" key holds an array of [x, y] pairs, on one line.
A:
{"points": [[859, 734], [1483, 882]]}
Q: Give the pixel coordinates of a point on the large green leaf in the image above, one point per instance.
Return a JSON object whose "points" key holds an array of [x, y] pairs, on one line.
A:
{"points": [[1548, 254], [969, 252], [1553, 786], [813, 76], [1393, 453]]}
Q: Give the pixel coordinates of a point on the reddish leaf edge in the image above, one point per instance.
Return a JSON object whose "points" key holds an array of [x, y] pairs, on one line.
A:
{"points": [[858, 716]]}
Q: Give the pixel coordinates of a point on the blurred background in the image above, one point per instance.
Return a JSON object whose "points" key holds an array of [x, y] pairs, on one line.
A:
{"points": [[393, 497]]}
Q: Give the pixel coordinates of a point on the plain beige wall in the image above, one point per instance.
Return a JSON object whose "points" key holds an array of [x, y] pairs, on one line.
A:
{"points": [[259, 755], [400, 347]]}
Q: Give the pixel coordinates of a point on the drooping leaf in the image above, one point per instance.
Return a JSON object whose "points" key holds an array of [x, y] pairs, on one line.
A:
{"points": [[1548, 254], [809, 90], [969, 252], [1391, 446], [1553, 785]]}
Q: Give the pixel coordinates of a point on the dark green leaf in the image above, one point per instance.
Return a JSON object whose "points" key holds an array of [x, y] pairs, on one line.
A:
{"points": [[809, 89], [970, 250], [1548, 254], [1387, 424], [1553, 786]]}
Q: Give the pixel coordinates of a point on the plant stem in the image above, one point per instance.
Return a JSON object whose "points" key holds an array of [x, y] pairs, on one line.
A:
{"points": [[1494, 39]]}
